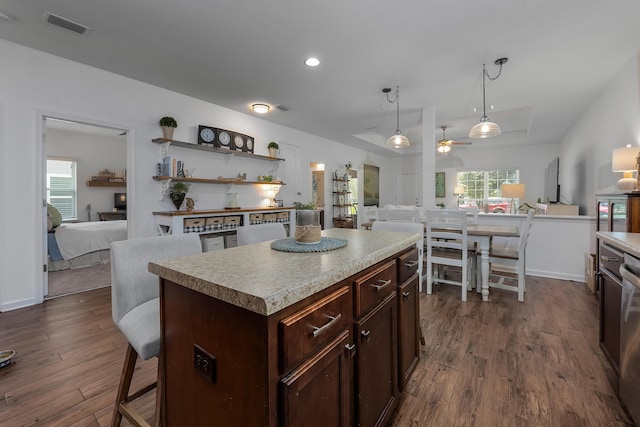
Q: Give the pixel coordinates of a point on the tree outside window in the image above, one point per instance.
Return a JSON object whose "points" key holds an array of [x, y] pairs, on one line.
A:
{"points": [[483, 189]]}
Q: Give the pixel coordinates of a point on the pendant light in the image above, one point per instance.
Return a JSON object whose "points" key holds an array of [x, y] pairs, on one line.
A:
{"points": [[487, 128], [397, 140]]}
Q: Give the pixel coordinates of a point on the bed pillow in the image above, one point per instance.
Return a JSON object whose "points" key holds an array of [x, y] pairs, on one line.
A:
{"points": [[54, 218]]}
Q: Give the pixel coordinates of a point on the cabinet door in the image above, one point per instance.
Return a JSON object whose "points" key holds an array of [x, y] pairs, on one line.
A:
{"points": [[610, 300], [377, 364], [603, 215], [319, 392], [618, 215], [408, 330]]}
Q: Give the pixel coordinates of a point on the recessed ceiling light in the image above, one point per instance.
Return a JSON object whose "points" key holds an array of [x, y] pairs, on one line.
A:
{"points": [[260, 108], [312, 62]]}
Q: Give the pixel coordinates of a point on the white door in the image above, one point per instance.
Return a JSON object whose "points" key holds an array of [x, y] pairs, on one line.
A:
{"points": [[406, 189]]}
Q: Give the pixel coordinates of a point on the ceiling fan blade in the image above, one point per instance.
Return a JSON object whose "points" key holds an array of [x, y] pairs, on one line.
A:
{"points": [[460, 143]]}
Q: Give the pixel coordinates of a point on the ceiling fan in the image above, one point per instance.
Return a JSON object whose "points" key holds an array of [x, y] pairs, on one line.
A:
{"points": [[444, 145]]}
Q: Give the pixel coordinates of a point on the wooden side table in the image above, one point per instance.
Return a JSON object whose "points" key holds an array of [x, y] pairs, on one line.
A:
{"points": [[112, 216]]}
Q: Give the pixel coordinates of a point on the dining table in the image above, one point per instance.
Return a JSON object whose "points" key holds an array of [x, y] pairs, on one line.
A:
{"points": [[482, 234]]}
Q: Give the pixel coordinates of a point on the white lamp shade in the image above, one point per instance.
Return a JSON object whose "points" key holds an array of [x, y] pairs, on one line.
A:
{"points": [[485, 129], [458, 190], [443, 148], [513, 191], [624, 159]]}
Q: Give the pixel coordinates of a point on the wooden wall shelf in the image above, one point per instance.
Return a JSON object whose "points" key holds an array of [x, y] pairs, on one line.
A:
{"points": [[216, 181], [106, 184], [215, 150]]}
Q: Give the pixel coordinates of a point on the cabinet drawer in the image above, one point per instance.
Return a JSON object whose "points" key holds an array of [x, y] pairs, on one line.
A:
{"points": [[611, 259], [407, 265], [374, 286], [304, 332]]}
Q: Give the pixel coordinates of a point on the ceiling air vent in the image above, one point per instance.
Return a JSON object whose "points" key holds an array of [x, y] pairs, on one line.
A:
{"points": [[65, 23], [282, 107]]}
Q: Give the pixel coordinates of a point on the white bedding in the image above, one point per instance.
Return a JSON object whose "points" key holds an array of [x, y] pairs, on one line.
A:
{"points": [[77, 239]]}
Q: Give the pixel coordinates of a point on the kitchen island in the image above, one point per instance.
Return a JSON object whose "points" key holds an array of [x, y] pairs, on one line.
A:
{"points": [[252, 336]]}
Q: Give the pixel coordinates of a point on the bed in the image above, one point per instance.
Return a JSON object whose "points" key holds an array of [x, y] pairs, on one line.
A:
{"points": [[74, 245]]}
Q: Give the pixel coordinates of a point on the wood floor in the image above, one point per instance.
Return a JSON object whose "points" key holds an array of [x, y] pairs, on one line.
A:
{"points": [[499, 363]]}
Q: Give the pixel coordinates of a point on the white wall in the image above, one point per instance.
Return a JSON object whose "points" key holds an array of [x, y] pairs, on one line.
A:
{"points": [[531, 160], [93, 154], [39, 84], [611, 121]]}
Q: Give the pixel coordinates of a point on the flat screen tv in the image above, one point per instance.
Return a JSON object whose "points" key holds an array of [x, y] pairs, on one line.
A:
{"points": [[120, 201], [551, 184]]}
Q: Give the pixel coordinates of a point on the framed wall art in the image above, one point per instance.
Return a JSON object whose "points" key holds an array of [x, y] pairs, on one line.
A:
{"points": [[371, 185], [440, 184]]}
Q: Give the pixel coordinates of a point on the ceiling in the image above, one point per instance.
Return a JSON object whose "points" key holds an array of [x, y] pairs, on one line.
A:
{"points": [[236, 53]]}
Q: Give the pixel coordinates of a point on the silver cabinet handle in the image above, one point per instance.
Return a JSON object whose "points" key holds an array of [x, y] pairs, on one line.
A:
{"points": [[609, 258], [332, 320], [384, 284], [411, 264], [364, 335], [405, 295], [351, 349]]}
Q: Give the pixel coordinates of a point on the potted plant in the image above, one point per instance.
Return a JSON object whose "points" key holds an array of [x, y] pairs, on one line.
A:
{"points": [[273, 147], [177, 192], [168, 124]]}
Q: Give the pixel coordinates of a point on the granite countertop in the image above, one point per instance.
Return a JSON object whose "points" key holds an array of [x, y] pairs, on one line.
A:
{"points": [[265, 281], [628, 242]]}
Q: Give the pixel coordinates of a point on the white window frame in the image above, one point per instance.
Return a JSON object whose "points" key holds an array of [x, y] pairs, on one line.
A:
{"points": [[68, 210], [504, 176]]}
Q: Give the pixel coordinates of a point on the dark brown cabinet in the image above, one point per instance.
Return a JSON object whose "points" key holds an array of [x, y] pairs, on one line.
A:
{"points": [[408, 330], [408, 319], [616, 212], [376, 364], [328, 360], [610, 302], [319, 392], [377, 348]]}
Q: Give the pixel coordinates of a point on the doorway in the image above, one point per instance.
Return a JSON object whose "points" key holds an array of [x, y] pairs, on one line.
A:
{"points": [[84, 178]]}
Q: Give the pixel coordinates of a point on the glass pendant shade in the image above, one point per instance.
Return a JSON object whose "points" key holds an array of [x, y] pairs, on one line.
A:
{"points": [[485, 129], [398, 141]]}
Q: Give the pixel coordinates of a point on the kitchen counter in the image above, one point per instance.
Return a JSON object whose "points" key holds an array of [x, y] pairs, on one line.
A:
{"points": [[264, 281], [628, 242]]}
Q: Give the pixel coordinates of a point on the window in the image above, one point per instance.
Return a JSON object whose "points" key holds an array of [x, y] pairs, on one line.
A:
{"points": [[483, 189], [62, 187]]}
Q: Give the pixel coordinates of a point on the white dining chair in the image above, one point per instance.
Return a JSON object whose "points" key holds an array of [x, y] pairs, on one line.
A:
{"points": [[447, 246], [510, 256], [405, 227], [260, 233], [472, 213]]}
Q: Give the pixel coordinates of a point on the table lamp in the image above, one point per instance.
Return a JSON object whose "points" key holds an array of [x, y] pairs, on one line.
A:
{"points": [[458, 190], [513, 192], [625, 160]]}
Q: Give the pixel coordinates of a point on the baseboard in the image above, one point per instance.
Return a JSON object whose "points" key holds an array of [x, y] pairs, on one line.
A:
{"points": [[14, 305], [556, 275]]}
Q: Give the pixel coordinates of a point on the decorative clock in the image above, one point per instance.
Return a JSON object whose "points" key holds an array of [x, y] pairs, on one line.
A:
{"points": [[238, 141], [206, 135]]}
